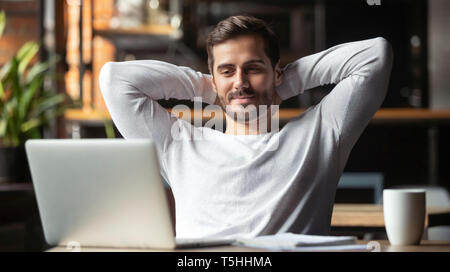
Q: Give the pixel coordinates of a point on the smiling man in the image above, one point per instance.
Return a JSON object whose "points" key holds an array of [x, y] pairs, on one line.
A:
{"points": [[246, 71], [249, 181]]}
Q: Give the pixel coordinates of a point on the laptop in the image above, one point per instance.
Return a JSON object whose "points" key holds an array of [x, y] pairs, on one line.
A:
{"points": [[103, 193]]}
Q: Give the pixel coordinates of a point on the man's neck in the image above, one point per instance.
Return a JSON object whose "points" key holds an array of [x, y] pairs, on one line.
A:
{"points": [[261, 125]]}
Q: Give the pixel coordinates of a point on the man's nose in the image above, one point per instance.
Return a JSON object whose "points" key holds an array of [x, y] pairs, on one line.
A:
{"points": [[241, 81]]}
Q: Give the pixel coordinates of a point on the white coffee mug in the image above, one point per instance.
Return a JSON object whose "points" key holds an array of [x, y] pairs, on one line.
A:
{"points": [[404, 215]]}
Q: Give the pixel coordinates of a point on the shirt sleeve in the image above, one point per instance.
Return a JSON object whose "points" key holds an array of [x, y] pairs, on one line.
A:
{"points": [[131, 88], [361, 71]]}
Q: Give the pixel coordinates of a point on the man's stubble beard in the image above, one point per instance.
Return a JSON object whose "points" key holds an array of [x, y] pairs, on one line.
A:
{"points": [[246, 113]]}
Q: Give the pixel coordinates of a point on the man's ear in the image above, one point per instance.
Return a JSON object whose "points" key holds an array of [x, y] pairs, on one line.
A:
{"points": [[217, 102], [213, 84], [278, 74]]}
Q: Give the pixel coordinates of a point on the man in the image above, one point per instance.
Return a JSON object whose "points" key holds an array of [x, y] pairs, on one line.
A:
{"points": [[248, 182]]}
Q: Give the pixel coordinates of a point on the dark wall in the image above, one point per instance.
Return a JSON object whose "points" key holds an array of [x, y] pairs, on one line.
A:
{"points": [[399, 151], [404, 24]]}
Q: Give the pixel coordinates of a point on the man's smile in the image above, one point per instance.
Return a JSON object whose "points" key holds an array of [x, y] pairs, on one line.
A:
{"points": [[242, 99]]}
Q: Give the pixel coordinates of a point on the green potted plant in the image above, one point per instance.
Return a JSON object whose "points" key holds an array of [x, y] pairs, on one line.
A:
{"points": [[26, 107]]}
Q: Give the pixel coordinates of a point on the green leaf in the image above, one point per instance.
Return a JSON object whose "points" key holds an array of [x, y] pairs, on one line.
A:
{"points": [[25, 54], [47, 103], [109, 128], [2, 22], [39, 68], [25, 50], [36, 71], [6, 69], [34, 133], [3, 124], [12, 137], [2, 91], [10, 107], [41, 120], [32, 123], [14, 79], [27, 97], [9, 114]]}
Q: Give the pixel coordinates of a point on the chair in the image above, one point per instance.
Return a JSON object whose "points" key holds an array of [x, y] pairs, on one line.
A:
{"points": [[363, 181], [436, 196]]}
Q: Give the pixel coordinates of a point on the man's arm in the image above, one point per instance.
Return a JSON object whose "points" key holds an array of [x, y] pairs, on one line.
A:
{"points": [[361, 71], [130, 90]]}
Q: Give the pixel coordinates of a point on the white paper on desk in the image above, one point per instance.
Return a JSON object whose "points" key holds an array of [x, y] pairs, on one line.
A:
{"points": [[352, 248], [289, 241]]}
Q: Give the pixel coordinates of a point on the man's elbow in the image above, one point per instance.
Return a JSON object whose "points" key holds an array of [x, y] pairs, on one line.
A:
{"points": [[385, 52], [107, 76]]}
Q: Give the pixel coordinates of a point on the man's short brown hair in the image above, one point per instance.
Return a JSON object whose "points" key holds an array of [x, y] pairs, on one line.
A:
{"points": [[235, 26]]}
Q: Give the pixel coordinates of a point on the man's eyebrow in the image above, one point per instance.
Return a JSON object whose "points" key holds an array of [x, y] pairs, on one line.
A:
{"points": [[253, 61], [224, 65]]}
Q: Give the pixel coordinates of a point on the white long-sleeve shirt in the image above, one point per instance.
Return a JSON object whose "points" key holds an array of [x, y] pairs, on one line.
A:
{"points": [[250, 185]]}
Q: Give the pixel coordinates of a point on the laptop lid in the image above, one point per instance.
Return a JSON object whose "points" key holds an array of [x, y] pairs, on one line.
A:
{"points": [[100, 192]]}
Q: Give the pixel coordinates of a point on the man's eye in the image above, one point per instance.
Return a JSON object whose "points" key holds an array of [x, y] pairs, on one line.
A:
{"points": [[226, 72], [254, 70]]}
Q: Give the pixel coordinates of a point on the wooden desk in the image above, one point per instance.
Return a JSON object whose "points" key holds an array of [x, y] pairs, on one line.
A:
{"points": [[425, 246], [367, 215]]}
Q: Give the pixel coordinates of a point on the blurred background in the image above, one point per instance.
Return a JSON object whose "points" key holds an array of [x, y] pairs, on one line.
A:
{"points": [[407, 143]]}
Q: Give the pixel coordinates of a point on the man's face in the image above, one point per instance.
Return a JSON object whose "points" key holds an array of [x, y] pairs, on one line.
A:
{"points": [[243, 74]]}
